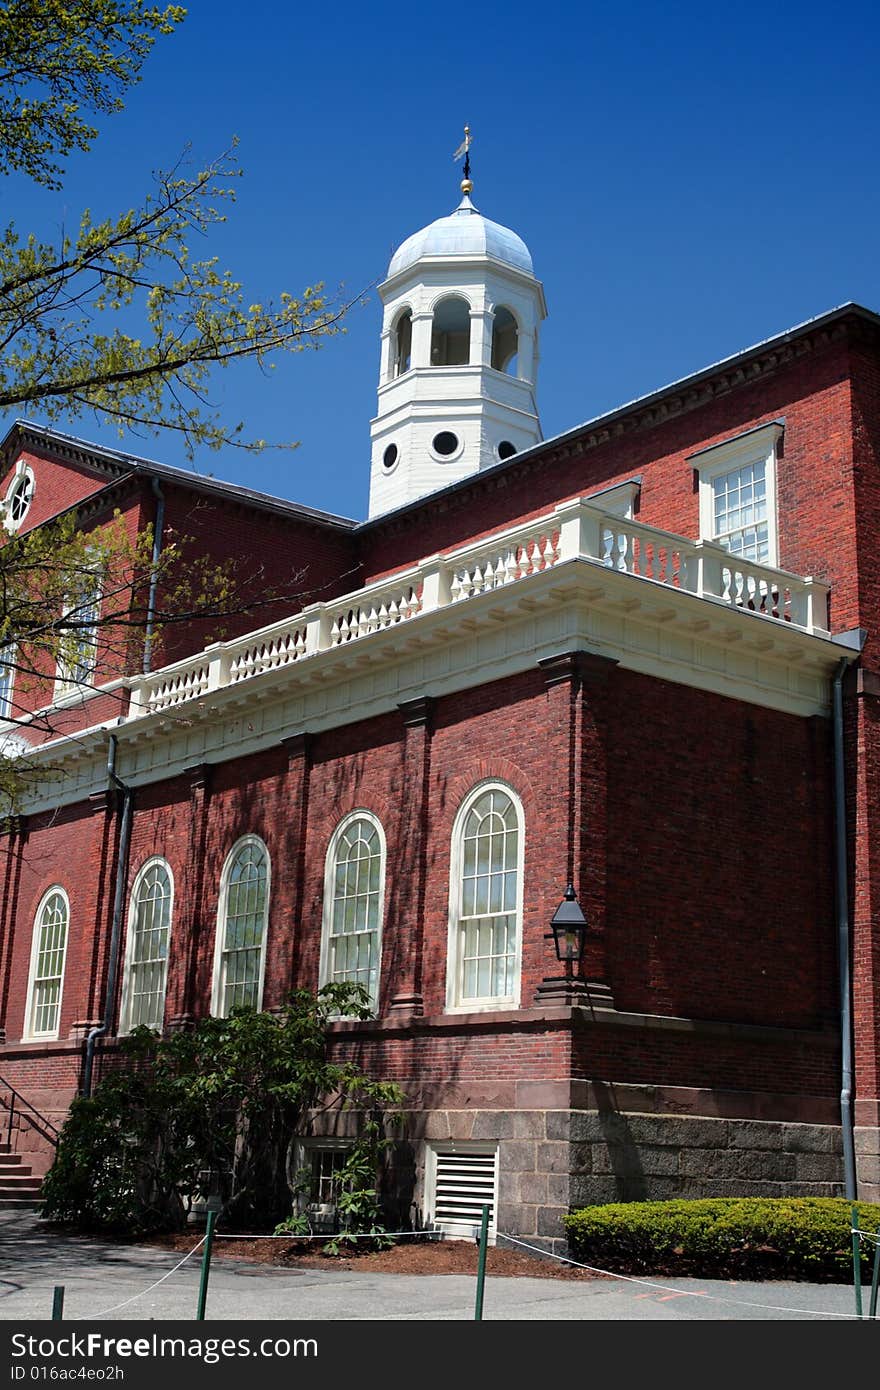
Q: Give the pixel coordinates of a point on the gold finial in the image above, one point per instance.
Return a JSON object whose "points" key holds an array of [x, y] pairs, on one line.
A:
{"points": [[464, 149]]}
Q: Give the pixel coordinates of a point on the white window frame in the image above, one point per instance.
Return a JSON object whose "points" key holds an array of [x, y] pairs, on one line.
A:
{"points": [[7, 681], [125, 1024], [22, 471], [454, 963], [324, 973], [757, 446], [218, 984], [75, 668], [48, 1034], [458, 1230]]}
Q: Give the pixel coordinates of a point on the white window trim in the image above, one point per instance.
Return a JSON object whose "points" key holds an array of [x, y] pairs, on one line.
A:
{"points": [[125, 1004], [7, 659], [329, 886], [453, 951], [457, 1230], [216, 985], [755, 446], [22, 470], [66, 683], [28, 1033]]}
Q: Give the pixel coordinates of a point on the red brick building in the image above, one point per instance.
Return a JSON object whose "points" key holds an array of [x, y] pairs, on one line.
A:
{"points": [[640, 658]]}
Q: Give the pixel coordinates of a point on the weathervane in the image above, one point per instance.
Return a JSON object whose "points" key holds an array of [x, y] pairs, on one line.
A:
{"points": [[464, 149]]}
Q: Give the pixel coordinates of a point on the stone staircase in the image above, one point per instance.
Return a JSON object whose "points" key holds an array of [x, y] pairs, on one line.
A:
{"points": [[19, 1187]]}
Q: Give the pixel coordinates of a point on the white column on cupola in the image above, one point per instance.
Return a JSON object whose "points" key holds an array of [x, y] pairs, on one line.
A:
{"points": [[462, 311]]}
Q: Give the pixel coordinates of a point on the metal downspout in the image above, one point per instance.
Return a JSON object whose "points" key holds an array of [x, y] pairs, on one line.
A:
{"points": [[843, 942], [151, 598], [116, 926]]}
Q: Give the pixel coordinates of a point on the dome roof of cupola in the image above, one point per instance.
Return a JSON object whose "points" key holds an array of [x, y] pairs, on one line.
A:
{"points": [[465, 232]]}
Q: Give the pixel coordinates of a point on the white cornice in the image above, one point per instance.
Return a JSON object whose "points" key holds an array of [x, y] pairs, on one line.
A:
{"points": [[648, 628]]}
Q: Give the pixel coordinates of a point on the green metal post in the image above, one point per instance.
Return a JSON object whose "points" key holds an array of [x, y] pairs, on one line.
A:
{"points": [[876, 1276], [481, 1265], [58, 1303], [206, 1266], [857, 1259]]}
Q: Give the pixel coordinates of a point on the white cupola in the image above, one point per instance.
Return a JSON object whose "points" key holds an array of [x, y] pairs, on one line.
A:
{"points": [[459, 356]]}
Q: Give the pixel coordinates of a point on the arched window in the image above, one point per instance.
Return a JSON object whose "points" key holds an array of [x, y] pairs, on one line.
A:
{"points": [[47, 965], [242, 919], [149, 934], [451, 333], [505, 342], [485, 900], [402, 344], [354, 890]]}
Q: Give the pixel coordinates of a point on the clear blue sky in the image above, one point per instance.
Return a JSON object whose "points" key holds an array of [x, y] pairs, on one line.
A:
{"points": [[690, 179]]}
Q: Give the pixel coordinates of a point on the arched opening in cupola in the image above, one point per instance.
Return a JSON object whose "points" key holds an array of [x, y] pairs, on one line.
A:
{"points": [[402, 344], [451, 333], [505, 342]]}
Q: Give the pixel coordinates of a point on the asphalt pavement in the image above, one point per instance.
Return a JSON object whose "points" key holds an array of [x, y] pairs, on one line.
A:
{"points": [[107, 1282]]}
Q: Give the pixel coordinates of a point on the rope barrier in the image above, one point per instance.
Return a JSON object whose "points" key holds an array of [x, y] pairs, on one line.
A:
{"points": [[136, 1296], [332, 1235], [665, 1288]]}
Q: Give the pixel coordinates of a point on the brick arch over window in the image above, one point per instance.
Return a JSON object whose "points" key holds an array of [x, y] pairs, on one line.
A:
{"points": [[242, 923]]}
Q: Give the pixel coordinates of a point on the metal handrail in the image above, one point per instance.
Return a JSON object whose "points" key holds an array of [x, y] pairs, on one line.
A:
{"points": [[40, 1119]]}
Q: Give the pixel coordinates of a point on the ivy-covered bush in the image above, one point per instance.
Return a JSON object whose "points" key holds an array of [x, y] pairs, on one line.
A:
{"points": [[725, 1237]]}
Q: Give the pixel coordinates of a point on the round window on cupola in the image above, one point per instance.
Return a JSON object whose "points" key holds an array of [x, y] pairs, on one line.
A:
{"points": [[19, 496], [390, 457], [445, 444]]}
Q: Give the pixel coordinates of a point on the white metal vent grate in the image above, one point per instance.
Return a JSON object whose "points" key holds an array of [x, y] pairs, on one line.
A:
{"points": [[464, 1181]]}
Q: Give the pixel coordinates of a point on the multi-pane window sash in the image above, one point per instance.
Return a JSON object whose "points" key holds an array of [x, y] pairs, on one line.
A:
{"points": [[78, 647], [148, 965], [7, 675], [739, 501], [326, 1164], [244, 929], [48, 967], [488, 914], [357, 907]]}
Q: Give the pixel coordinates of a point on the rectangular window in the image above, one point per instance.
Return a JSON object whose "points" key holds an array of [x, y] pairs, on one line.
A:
{"points": [[78, 646], [7, 676], [740, 511], [738, 493]]}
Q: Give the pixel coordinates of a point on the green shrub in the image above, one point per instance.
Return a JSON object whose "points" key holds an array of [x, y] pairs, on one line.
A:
{"points": [[725, 1237]]}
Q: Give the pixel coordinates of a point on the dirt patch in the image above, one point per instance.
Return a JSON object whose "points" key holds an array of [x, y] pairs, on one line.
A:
{"points": [[405, 1257]]}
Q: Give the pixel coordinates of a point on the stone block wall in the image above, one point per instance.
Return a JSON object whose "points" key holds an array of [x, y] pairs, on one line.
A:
{"points": [[551, 1161]]}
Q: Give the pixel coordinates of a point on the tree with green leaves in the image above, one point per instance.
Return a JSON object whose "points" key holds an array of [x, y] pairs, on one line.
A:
{"points": [[216, 1112], [66, 307], [118, 321]]}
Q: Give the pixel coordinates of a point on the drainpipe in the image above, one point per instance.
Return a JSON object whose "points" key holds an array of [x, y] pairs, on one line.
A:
{"points": [[157, 550], [116, 926], [843, 942]]}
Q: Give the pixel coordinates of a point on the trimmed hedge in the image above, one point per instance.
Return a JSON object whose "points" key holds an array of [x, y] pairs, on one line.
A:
{"points": [[725, 1237]]}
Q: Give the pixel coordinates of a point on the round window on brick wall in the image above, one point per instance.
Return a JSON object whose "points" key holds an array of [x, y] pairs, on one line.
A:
{"points": [[444, 443], [390, 457]]}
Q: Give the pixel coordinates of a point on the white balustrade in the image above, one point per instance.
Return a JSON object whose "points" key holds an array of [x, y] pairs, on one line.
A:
{"points": [[575, 530]]}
